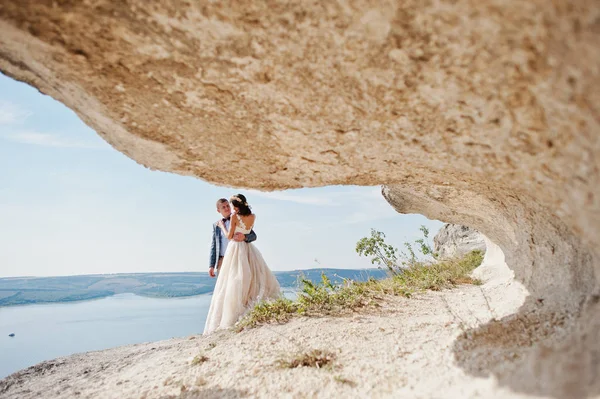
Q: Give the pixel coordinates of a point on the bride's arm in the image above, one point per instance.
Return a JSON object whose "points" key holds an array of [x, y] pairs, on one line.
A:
{"points": [[232, 225]]}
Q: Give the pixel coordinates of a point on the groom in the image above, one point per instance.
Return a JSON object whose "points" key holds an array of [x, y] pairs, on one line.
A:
{"points": [[219, 241]]}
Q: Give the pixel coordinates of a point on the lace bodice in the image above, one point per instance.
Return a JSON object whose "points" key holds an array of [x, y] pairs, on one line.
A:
{"points": [[241, 226]]}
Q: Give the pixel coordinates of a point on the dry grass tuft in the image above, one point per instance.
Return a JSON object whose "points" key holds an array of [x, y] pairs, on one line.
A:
{"points": [[316, 358], [199, 359], [345, 381]]}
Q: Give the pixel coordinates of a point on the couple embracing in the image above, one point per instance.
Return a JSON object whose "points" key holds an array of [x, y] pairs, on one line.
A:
{"points": [[243, 275]]}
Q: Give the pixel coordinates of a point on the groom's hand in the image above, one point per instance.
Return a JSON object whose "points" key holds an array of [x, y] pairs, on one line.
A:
{"points": [[211, 272], [239, 237]]}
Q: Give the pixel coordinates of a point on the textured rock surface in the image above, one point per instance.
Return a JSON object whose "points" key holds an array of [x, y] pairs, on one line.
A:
{"points": [[482, 113], [456, 240], [557, 268]]}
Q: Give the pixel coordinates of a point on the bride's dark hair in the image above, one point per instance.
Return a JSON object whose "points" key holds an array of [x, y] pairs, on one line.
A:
{"points": [[239, 201]]}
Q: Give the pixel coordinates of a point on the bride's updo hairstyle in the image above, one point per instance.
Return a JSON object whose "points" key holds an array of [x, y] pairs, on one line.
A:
{"points": [[239, 201]]}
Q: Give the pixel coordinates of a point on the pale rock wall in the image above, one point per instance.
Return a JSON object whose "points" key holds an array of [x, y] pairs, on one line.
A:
{"points": [[503, 293], [558, 270], [483, 113], [454, 240]]}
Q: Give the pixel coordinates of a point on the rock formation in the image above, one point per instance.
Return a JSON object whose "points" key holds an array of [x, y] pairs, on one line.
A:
{"points": [[481, 113], [556, 266], [456, 240]]}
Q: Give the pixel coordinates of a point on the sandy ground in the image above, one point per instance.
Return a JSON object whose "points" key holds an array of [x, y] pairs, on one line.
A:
{"points": [[405, 348]]}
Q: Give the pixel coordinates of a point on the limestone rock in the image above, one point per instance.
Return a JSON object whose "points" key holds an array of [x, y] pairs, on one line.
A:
{"points": [[555, 265], [479, 113], [454, 240]]}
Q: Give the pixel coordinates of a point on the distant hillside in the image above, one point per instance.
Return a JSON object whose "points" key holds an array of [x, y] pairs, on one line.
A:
{"points": [[31, 290]]}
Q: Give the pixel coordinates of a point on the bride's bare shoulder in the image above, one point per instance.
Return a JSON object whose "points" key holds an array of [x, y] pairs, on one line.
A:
{"points": [[248, 218]]}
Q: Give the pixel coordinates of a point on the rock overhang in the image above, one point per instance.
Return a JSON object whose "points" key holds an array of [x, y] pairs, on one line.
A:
{"points": [[476, 113]]}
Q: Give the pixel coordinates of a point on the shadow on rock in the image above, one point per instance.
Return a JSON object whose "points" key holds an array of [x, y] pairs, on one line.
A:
{"points": [[536, 352]]}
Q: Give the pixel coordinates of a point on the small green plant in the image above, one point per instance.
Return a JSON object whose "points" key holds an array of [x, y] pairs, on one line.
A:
{"points": [[381, 254], [279, 310], [440, 275], [313, 299], [424, 245], [321, 296], [316, 358]]}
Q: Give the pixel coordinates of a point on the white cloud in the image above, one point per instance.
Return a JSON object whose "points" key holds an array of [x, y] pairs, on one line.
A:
{"points": [[11, 114], [353, 205], [48, 140], [361, 196], [297, 198], [362, 204], [371, 214]]}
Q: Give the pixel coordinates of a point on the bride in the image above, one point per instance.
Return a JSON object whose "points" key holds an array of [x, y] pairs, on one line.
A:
{"points": [[244, 277]]}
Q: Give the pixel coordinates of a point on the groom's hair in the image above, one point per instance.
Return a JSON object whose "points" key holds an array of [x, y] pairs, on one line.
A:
{"points": [[220, 201]]}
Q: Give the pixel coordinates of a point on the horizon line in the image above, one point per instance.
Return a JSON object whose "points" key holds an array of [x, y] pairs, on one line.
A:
{"points": [[206, 272]]}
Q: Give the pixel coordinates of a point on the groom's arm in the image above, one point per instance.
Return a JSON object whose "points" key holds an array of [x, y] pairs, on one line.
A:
{"points": [[250, 237], [213, 250]]}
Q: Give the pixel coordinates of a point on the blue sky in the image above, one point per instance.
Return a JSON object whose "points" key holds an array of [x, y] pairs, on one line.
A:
{"points": [[71, 204]]}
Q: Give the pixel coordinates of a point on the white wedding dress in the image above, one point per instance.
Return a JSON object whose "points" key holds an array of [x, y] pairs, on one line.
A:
{"points": [[243, 280]]}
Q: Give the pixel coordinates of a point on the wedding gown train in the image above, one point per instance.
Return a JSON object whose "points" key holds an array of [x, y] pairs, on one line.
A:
{"points": [[243, 280]]}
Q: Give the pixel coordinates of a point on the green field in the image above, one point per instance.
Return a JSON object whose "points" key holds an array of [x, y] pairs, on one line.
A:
{"points": [[31, 290]]}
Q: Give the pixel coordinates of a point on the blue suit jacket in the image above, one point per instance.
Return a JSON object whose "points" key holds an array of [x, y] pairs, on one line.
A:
{"points": [[215, 247]]}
